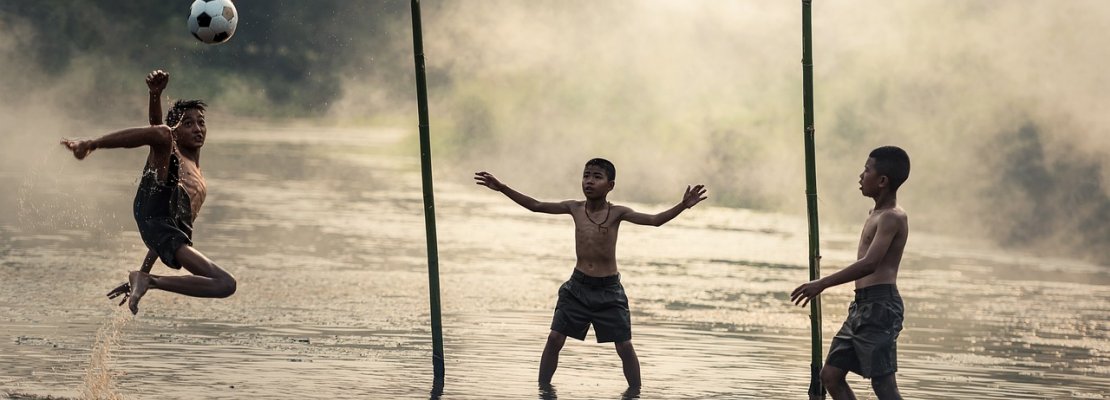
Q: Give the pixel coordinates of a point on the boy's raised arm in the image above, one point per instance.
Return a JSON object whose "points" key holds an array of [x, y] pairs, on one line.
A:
{"points": [[488, 180], [888, 227], [158, 135], [692, 197], [156, 82]]}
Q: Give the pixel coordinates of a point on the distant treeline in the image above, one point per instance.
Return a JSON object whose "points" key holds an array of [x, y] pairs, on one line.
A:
{"points": [[1056, 204], [286, 56], [673, 92]]}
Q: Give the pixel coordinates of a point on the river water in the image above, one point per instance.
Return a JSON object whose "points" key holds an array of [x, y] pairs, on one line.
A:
{"points": [[324, 230]]}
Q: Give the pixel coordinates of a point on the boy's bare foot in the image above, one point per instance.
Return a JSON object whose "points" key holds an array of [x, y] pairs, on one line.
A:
{"points": [[139, 282]]}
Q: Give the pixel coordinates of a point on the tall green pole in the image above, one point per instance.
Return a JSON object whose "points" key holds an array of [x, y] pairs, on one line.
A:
{"points": [[429, 201], [816, 390]]}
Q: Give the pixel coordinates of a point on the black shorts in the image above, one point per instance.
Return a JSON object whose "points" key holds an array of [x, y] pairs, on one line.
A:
{"points": [[165, 235], [164, 214], [585, 300], [867, 343]]}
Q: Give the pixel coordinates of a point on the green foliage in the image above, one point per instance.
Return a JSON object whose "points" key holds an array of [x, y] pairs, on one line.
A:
{"points": [[1046, 202], [287, 57]]}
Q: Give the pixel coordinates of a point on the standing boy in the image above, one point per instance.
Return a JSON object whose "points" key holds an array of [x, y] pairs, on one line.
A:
{"points": [[594, 294], [867, 343], [169, 198]]}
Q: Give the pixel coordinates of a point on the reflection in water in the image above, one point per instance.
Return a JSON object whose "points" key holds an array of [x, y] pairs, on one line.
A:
{"points": [[437, 390], [325, 232], [547, 392]]}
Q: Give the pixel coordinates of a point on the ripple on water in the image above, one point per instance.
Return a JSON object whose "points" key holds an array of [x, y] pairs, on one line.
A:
{"points": [[327, 244]]}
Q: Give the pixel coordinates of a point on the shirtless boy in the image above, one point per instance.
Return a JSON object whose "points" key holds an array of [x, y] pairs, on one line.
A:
{"points": [[594, 294], [169, 198], [867, 342]]}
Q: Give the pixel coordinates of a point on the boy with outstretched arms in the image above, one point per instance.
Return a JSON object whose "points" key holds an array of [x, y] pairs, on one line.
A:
{"points": [[867, 342], [593, 295], [170, 195]]}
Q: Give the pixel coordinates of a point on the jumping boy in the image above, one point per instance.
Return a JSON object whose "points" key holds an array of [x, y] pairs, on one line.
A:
{"points": [[867, 342], [169, 198], [594, 294]]}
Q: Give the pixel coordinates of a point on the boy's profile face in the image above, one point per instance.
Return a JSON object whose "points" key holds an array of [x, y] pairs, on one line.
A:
{"points": [[870, 182], [595, 182], [192, 130]]}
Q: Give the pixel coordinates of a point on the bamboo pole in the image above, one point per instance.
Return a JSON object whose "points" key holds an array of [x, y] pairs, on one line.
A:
{"points": [[429, 201], [816, 390]]}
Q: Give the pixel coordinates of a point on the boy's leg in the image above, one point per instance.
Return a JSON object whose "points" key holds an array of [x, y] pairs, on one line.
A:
{"points": [[886, 388], [833, 379], [208, 279], [550, 358], [630, 362]]}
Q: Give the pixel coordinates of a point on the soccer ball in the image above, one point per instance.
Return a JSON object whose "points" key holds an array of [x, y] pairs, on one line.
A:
{"points": [[213, 21]]}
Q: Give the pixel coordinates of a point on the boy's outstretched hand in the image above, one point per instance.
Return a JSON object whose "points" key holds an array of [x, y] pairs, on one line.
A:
{"points": [[806, 292], [693, 195], [486, 179], [80, 148], [156, 81]]}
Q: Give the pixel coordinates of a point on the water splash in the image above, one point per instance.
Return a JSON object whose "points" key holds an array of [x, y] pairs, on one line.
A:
{"points": [[99, 381]]}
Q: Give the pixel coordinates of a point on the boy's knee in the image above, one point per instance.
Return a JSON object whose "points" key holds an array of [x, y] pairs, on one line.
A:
{"points": [[832, 376], [883, 383], [625, 349], [227, 286], [556, 339]]}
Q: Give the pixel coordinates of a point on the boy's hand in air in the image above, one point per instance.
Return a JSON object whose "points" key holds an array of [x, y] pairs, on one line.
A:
{"points": [[486, 179], [80, 148], [157, 80], [693, 196]]}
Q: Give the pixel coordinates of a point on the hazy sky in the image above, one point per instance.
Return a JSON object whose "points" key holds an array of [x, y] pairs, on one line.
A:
{"points": [[997, 103]]}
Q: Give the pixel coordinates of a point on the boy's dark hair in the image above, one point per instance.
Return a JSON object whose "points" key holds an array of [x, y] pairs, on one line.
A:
{"points": [[893, 162], [605, 165], [173, 116]]}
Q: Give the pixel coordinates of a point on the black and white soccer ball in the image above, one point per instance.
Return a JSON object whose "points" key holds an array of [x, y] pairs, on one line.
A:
{"points": [[213, 21]]}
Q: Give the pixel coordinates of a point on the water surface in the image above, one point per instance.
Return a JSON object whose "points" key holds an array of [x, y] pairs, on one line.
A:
{"points": [[324, 230]]}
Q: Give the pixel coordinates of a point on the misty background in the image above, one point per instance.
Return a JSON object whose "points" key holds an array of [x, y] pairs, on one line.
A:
{"points": [[999, 104]]}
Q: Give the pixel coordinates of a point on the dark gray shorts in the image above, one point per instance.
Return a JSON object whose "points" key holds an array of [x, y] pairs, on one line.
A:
{"points": [[165, 235], [867, 342], [586, 300], [164, 214]]}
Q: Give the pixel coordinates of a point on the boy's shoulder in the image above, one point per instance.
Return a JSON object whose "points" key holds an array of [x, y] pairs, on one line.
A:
{"points": [[894, 217], [900, 213], [893, 212]]}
